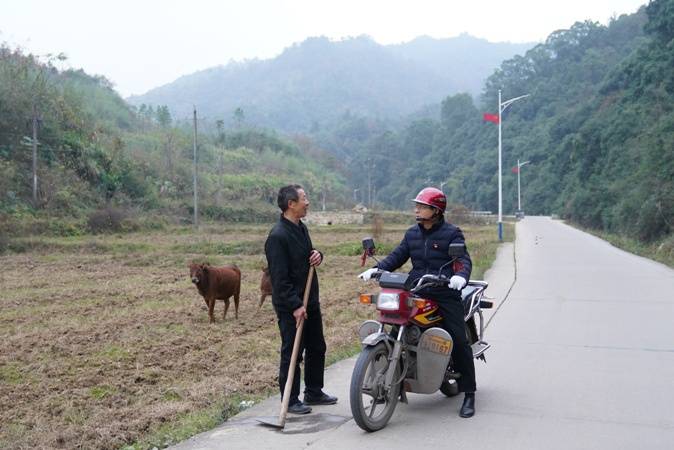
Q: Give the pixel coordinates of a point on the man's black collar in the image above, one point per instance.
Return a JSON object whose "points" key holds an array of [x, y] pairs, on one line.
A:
{"points": [[290, 222], [435, 226]]}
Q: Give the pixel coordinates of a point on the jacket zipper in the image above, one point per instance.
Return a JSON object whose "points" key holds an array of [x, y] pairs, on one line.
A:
{"points": [[426, 254]]}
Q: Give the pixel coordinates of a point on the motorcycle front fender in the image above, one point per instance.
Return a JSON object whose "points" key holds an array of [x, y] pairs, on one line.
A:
{"points": [[375, 338], [369, 327]]}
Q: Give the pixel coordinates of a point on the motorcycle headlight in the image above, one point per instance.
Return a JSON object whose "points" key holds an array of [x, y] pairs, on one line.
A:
{"points": [[388, 301]]}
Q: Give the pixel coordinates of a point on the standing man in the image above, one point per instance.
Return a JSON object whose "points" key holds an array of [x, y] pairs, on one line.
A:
{"points": [[289, 254]]}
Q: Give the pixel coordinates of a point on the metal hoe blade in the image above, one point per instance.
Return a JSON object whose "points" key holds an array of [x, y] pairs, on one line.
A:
{"points": [[272, 422]]}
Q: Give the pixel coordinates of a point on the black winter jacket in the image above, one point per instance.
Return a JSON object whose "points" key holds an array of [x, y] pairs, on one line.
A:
{"points": [[287, 248], [429, 251]]}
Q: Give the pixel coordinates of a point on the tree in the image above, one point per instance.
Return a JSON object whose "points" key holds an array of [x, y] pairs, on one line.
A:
{"points": [[163, 116], [239, 116]]}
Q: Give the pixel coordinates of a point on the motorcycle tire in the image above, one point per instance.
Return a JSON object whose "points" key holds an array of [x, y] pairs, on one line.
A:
{"points": [[371, 405]]}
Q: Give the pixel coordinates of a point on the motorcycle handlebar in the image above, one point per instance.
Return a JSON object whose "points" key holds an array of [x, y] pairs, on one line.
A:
{"points": [[425, 281], [429, 280]]}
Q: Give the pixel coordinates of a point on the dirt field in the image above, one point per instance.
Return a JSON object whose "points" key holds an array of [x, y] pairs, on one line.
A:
{"points": [[105, 343]]}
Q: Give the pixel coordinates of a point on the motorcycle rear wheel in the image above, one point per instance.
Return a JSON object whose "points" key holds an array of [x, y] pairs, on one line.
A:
{"points": [[371, 405]]}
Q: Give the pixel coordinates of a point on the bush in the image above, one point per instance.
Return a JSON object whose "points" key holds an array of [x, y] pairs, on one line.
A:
{"points": [[460, 215], [246, 213], [61, 227], [377, 226], [664, 251], [106, 220], [151, 223], [388, 217], [4, 243]]}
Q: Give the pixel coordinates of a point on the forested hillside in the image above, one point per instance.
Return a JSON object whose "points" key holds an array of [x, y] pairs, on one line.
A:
{"points": [[598, 128], [313, 83], [102, 164]]}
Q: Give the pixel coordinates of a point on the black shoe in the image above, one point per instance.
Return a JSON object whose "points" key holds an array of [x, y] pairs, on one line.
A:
{"points": [[299, 408], [468, 407], [323, 399]]}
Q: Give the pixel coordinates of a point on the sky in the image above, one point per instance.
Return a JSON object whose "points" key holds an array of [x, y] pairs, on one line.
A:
{"points": [[142, 44]]}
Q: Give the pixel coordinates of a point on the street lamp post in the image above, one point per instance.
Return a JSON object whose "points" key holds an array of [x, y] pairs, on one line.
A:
{"points": [[502, 106], [441, 185], [519, 169]]}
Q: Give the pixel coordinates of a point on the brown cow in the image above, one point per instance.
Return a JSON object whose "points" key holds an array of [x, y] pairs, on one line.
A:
{"points": [[217, 283], [265, 286]]}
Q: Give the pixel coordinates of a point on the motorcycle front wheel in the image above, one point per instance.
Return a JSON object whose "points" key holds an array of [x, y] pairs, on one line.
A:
{"points": [[371, 404]]}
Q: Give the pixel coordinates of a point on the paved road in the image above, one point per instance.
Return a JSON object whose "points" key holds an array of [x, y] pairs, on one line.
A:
{"points": [[582, 358]]}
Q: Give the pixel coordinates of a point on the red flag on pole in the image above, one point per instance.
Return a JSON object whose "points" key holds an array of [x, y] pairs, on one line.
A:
{"points": [[490, 117], [516, 169]]}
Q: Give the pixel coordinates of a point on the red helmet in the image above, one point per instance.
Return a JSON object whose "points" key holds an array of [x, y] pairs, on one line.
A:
{"points": [[432, 197]]}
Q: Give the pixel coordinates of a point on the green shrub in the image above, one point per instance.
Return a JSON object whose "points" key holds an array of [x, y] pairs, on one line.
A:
{"points": [[244, 213], [4, 243], [64, 227], [106, 220]]}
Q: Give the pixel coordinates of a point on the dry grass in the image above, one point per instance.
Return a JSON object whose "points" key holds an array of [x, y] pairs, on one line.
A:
{"points": [[104, 341]]}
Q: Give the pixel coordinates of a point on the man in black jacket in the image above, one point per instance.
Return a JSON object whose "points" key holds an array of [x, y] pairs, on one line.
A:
{"points": [[427, 244], [289, 254]]}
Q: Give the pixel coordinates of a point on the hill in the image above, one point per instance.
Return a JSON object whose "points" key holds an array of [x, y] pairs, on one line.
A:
{"points": [[313, 83], [597, 128], [102, 164]]}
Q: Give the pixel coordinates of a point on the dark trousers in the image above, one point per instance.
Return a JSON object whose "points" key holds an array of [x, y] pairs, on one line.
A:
{"points": [[462, 354], [313, 347]]}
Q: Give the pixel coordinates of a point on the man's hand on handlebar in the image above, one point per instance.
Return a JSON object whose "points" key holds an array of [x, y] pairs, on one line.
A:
{"points": [[365, 276], [457, 282], [430, 280]]}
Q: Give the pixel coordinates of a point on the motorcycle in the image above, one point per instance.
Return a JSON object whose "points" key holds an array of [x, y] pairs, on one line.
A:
{"points": [[407, 350]]}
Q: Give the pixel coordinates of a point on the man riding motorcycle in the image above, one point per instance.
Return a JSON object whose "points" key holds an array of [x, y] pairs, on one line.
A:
{"points": [[427, 243]]}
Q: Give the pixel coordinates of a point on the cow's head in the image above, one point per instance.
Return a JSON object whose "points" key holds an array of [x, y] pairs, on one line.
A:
{"points": [[198, 273]]}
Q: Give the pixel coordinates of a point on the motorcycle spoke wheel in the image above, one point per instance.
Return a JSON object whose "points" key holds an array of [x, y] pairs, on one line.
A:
{"points": [[371, 404]]}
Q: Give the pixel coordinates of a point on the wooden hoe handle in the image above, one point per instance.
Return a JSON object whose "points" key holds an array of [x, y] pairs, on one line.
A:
{"points": [[296, 349]]}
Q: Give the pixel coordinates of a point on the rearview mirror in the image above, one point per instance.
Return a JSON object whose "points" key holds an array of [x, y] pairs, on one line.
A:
{"points": [[456, 250], [368, 246]]}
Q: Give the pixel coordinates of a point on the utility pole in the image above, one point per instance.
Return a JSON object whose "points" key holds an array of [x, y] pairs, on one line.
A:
{"points": [[196, 212], [35, 120], [500, 195], [501, 108], [374, 196], [369, 183]]}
